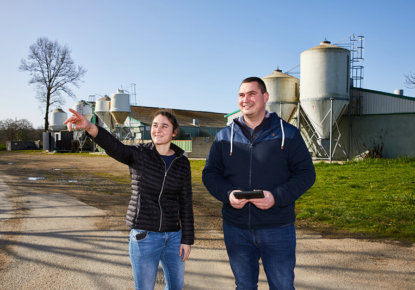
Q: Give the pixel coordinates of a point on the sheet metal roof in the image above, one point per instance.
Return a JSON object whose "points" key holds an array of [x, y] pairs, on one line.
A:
{"points": [[184, 117], [376, 102]]}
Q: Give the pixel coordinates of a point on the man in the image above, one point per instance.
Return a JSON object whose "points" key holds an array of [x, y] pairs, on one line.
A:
{"points": [[259, 151]]}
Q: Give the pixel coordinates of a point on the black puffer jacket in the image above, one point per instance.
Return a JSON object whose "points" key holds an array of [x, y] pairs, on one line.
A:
{"points": [[160, 201]]}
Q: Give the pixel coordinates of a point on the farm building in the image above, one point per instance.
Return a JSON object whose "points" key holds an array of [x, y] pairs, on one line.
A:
{"points": [[338, 118]]}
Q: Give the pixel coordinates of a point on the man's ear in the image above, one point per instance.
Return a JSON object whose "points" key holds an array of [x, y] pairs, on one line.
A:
{"points": [[266, 96]]}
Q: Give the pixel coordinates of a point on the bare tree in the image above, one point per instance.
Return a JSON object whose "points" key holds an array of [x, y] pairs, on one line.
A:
{"points": [[53, 71], [410, 80]]}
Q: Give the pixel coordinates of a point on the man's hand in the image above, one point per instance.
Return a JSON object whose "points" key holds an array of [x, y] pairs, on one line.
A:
{"points": [[266, 202], [235, 202]]}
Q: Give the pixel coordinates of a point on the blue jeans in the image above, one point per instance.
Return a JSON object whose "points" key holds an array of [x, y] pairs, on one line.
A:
{"points": [[274, 246], [147, 249]]}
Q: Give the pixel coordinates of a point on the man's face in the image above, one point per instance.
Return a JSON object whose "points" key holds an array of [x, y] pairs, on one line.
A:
{"points": [[251, 100]]}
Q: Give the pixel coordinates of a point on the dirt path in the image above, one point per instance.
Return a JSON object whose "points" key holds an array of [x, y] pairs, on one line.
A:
{"points": [[59, 247], [67, 231]]}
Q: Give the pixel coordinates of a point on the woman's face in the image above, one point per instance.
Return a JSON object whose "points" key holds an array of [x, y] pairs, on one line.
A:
{"points": [[161, 130]]}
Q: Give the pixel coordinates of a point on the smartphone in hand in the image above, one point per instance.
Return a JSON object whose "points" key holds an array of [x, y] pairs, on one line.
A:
{"points": [[249, 194]]}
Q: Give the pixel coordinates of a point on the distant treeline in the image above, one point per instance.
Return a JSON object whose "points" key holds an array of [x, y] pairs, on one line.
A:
{"points": [[18, 130]]}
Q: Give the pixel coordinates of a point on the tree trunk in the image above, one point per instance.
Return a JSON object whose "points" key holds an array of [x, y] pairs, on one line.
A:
{"points": [[46, 119], [47, 110]]}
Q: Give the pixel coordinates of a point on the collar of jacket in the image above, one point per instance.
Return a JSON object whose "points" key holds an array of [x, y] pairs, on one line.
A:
{"points": [[177, 150], [250, 133], [267, 124]]}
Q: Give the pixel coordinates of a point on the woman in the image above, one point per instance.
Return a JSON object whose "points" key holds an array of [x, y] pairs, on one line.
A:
{"points": [[160, 213]]}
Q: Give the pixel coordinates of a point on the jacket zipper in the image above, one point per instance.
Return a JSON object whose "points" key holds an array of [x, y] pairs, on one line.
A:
{"points": [[250, 180], [161, 191], [251, 149], [162, 187]]}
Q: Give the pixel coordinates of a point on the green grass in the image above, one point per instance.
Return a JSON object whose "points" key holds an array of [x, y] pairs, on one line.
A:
{"points": [[197, 168], [372, 199]]}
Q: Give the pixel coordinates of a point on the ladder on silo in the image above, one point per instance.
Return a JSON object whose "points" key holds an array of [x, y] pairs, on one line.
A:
{"points": [[356, 59]]}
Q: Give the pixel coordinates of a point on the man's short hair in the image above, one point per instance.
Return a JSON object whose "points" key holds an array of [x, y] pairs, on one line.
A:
{"points": [[259, 81]]}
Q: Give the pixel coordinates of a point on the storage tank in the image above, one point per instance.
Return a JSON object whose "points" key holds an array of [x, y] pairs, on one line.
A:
{"points": [[283, 92], [84, 109], [120, 106], [324, 73], [47, 141], [57, 117], [102, 110]]}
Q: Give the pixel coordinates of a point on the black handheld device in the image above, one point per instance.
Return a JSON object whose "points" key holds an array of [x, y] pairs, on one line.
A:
{"points": [[249, 194]]}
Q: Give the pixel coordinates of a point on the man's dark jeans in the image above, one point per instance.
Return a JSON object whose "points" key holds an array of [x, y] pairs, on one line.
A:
{"points": [[274, 246]]}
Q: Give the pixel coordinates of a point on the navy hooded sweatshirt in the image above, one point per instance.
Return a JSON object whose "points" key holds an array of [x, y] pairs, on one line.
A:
{"points": [[274, 158]]}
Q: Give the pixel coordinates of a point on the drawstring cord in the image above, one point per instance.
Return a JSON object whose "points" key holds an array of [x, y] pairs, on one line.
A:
{"points": [[283, 135], [233, 124], [282, 141]]}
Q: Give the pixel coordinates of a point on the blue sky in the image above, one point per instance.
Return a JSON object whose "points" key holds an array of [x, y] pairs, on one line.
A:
{"points": [[192, 54]]}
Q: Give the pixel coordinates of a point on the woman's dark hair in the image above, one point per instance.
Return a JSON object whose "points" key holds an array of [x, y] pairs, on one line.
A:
{"points": [[259, 81], [169, 115]]}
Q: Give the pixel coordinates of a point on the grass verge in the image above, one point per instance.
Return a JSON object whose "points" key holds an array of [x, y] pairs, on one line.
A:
{"points": [[374, 198]]}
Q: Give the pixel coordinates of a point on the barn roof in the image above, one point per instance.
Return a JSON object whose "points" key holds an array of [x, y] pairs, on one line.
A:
{"points": [[184, 117]]}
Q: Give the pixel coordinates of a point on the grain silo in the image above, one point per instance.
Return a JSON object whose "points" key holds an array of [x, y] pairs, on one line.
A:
{"points": [[57, 117], [84, 109], [120, 106], [283, 92], [57, 138], [324, 89], [102, 110]]}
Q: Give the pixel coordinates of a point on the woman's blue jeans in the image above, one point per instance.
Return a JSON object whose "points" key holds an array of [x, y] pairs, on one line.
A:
{"points": [[274, 246], [147, 249]]}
